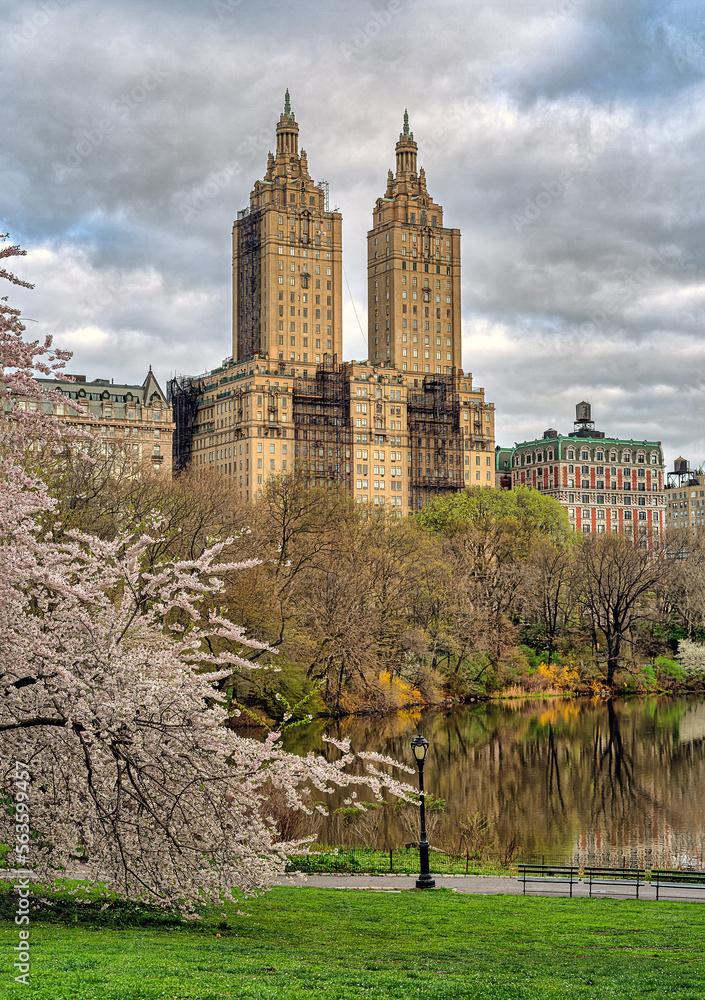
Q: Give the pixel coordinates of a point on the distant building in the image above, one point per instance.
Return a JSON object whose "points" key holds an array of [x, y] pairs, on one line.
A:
{"points": [[604, 484], [395, 429], [503, 468], [132, 422], [685, 497]]}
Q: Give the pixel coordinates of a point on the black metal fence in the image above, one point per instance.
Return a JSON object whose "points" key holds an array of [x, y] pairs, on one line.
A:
{"points": [[405, 860]]}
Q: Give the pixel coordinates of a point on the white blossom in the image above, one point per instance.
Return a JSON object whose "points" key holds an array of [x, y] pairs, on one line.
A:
{"points": [[111, 698]]}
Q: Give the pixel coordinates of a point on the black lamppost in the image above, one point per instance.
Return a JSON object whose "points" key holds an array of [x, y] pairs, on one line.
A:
{"points": [[420, 747]]}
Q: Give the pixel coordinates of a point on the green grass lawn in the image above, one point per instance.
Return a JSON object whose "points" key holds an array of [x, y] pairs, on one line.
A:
{"points": [[343, 945]]}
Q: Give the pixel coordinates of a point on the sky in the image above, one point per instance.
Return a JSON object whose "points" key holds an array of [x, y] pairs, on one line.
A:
{"points": [[564, 138]]}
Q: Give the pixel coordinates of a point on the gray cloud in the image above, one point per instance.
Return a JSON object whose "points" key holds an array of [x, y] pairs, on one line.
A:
{"points": [[563, 137]]}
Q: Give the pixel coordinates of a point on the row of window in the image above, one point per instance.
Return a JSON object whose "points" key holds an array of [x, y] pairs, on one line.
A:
{"points": [[413, 238], [528, 458], [414, 284], [600, 515]]}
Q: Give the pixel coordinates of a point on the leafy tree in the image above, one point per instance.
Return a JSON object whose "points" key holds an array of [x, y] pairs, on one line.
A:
{"points": [[529, 514]]}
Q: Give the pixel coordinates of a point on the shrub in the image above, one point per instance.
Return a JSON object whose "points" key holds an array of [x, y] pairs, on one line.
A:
{"points": [[670, 669]]}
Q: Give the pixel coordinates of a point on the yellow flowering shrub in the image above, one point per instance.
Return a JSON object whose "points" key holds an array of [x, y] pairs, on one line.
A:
{"points": [[563, 678]]}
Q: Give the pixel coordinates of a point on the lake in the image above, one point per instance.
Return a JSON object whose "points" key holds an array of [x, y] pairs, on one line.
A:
{"points": [[599, 781]]}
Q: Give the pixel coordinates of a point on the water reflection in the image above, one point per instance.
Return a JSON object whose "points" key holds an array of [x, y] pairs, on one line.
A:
{"points": [[597, 780]]}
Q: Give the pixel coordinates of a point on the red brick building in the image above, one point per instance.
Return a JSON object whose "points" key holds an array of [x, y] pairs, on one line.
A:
{"points": [[605, 484]]}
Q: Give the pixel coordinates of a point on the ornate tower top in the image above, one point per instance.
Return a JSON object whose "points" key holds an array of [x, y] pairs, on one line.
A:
{"points": [[407, 151], [287, 131]]}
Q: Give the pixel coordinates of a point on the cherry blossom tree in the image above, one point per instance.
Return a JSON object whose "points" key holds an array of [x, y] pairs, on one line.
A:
{"points": [[112, 719]]}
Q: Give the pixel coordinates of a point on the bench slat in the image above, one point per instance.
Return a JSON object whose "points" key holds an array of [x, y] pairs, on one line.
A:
{"points": [[559, 874], [627, 877], [672, 878]]}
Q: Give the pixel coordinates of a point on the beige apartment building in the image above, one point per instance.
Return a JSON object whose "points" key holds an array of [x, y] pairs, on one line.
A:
{"points": [[394, 429], [287, 262], [413, 274], [389, 441], [131, 425], [685, 497]]}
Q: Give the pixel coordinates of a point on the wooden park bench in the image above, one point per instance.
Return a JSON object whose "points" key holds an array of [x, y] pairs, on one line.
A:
{"points": [[562, 875], [666, 879], [623, 877]]}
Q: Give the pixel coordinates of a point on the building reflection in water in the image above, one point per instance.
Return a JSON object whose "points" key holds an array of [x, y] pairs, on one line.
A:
{"points": [[598, 781]]}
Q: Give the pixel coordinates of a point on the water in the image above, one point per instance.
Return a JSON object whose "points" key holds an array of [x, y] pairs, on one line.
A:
{"points": [[597, 781]]}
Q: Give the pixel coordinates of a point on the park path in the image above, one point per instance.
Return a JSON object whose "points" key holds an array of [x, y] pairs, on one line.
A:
{"points": [[484, 885]]}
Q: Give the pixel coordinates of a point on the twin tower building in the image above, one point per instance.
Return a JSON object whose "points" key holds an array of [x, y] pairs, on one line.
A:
{"points": [[395, 429]]}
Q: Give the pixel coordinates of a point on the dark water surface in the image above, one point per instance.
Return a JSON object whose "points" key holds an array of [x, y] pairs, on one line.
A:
{"points": [[594, 780]]}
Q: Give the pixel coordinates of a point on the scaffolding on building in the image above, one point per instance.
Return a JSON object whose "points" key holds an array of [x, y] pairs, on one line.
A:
{"points": [[435, 438], [326, 195], [249, 282], [322, 425], [183, 395]]}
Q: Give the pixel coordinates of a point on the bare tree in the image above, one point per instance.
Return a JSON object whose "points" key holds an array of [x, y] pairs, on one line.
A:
{"points": [[549, 596], [685, 594], [617, 580]]}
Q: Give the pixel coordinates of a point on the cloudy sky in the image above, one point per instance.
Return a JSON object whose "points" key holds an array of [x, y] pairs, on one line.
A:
{"points": [[564, 138]]}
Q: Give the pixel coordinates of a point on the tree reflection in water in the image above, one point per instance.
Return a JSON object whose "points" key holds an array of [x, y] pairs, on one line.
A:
{"points": [[553, 773], [616, 789]]}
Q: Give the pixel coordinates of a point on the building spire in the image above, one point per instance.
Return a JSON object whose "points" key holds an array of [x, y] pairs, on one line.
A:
{"points": [[287, 131], [406, 150]]}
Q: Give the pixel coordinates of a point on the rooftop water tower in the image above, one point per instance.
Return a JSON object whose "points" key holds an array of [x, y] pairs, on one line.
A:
{"points": [[584, 425], [682, 474]]}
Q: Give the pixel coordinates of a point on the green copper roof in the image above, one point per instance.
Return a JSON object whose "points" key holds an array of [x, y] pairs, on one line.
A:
{"points": [[406, 133], [287, 103]]}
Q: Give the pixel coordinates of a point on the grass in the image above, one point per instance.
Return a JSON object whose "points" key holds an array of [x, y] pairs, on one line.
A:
{"points": [[310, 944]]}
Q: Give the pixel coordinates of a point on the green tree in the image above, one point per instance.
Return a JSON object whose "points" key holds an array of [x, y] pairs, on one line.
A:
{"points": [[528, 514]]}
